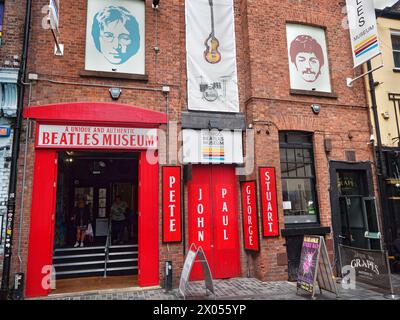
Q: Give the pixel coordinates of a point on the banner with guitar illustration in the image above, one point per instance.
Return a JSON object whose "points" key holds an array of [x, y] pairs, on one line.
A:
{"points": [[211, 56]]}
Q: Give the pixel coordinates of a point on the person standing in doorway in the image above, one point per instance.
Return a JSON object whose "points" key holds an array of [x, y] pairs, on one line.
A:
{"points": [[118, 210], [81, 221]]}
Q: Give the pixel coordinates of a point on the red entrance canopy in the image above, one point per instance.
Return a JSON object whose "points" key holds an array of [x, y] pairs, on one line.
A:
{"points": [[95, 112]]}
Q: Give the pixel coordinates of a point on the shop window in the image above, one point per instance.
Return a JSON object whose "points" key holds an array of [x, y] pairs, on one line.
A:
{"points": [[1, 20], [396, 48], [298, 178]]}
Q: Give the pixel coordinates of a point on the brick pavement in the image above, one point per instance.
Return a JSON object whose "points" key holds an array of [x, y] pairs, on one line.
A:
{"points": [[230, 289]]}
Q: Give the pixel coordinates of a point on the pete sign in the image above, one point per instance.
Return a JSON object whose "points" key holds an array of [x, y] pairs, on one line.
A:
{"points": [[269, 202], [172, 224]]}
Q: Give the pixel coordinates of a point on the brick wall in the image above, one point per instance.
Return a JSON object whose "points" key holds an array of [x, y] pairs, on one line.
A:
{"points": [[263, 89]]}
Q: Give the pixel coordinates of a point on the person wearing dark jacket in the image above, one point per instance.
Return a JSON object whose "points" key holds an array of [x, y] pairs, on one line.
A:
{"points": [[81, 221]]}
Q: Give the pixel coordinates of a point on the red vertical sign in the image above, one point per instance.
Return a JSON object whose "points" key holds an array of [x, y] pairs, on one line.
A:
{"points": [[172, 224], [269, 202], [250, 217], [225, 223]]}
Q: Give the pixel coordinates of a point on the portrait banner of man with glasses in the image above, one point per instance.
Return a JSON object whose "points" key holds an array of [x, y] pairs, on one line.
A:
{"points": [[308, 58], [115, 36]]}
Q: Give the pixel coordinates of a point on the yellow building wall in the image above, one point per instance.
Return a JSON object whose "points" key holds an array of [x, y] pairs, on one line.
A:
{"points": [[389, 82]]}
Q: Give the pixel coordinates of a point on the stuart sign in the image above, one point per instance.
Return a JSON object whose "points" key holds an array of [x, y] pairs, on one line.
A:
{"points": [[93, 137], [269, 202], [363, 30]]}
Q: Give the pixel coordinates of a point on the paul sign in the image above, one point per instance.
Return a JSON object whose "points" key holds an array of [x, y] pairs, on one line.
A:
{"points": [[269, 202], [172, 224]]}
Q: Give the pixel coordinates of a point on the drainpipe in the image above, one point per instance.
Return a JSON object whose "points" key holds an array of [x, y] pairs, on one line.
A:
{"points": [[381, 167], [5, 284]]}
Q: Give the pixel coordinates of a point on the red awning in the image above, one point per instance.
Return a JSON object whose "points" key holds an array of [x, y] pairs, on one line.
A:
{"points": [[95, 112]]}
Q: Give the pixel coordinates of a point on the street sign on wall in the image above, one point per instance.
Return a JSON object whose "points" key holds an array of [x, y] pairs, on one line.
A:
{"points": [[269, 207], [250, 216], [172, 222]]}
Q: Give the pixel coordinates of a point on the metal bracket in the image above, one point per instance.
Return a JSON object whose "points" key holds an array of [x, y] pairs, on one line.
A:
{"points": [[350, 80]]}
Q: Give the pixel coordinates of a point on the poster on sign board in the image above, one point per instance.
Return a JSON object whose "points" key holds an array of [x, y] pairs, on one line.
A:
{"points": [[115, 36]]}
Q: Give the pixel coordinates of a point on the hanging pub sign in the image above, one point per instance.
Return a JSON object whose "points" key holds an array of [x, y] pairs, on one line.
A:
{"points": [[250, 217], [211, 56], [363, 30], [172, 219], [269, 207], [94, 137], [115, 36], [315, 267]]}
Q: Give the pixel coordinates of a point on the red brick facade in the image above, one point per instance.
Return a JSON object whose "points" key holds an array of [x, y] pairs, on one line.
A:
{"points": [[264, 92]]}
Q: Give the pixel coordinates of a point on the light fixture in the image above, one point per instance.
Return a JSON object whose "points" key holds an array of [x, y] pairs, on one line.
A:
{"points": [[115, 93], [316, 108]]}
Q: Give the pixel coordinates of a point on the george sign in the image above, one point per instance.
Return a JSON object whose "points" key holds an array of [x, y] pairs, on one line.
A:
{"points": [[211, 56], [269, 207], [250, 216], [315, 267], [212, 146], [78, 137], [115, 36], [371, 266], [363, 30], [193, 253], [308, 58], [171, 184], [5, 132]]}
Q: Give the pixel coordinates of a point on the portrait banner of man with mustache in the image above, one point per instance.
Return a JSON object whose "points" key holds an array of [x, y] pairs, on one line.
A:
{"points": [[308, 59]]}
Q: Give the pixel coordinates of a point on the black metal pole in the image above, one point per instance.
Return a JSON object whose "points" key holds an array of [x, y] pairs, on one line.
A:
{"points": [[381, 167], [4, 292]]}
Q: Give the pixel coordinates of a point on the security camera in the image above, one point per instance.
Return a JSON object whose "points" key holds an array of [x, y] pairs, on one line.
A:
{"points": [[155, 4]]}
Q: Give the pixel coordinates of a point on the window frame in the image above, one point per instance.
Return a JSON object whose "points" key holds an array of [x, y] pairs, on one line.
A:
{"points": [[395, 33], [284, 145]]}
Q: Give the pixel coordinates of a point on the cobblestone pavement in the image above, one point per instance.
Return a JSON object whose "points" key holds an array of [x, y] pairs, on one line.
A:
{"points": [[231, 289]]}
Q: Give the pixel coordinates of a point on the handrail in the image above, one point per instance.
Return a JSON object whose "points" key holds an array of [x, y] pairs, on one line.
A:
{"points": [[107, 248]]}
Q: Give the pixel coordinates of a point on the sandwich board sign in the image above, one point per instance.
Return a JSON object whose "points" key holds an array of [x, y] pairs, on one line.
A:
{"points": [[193, 253], [315, 267]]}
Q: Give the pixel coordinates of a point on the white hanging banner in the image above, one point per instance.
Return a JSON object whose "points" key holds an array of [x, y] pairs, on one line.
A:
{"points": [[211, 56], [363, 30]]}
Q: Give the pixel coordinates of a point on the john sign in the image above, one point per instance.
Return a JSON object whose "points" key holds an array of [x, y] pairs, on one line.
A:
{"points": [[78, 136], [269, 202], [172, 230]]}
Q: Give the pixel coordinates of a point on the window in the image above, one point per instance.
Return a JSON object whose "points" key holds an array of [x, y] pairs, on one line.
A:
{"points": [[298, 178], [396, 48]]}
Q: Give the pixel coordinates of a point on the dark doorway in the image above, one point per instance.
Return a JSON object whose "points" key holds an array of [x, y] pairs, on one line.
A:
{"points": [[354, 215], [103, 186]]}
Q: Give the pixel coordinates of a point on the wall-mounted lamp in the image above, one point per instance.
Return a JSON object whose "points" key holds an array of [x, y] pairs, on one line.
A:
{"points": [[316, 108], [115, 93], [155, 4]]}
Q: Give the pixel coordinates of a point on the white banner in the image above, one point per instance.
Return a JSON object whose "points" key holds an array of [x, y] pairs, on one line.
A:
{"points": [[88, 137], [115, 36], [363, 30], [211, 56], [212, 146]]}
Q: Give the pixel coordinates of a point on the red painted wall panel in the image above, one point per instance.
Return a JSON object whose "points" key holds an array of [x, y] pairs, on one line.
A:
{"points": [[148, 222], [42, 222]]}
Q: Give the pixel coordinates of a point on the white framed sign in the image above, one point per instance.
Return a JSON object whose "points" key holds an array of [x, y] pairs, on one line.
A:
{"points": [[363, 30], [115, 36], [96, 137], [211, 56], [308, 58], [212, 146]]}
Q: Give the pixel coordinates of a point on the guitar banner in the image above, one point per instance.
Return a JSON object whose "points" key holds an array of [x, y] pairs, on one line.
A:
{"points": [[211, 56]]}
